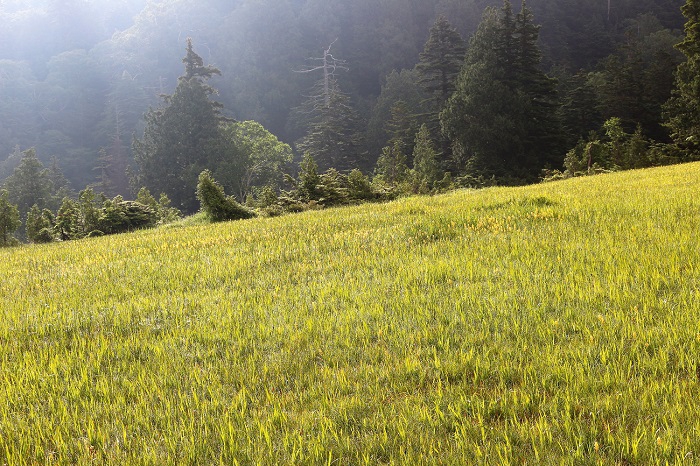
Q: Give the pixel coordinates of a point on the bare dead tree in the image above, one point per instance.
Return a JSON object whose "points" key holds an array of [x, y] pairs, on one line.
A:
{"points": [[329, 64]]}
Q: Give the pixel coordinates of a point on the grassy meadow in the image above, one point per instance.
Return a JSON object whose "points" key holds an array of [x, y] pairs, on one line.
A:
{"points": [[550, 324]]}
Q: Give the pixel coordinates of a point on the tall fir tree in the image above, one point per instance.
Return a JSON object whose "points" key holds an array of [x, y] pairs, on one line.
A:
{"points": [[183, 137], [543, 142], [30, 183], [683, 109], [441, 60], [502, 116], [9, 219], [439, 66], [333, 137]]}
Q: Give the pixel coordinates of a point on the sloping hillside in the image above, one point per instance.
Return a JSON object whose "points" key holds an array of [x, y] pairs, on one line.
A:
{"points": [[553, 323]]}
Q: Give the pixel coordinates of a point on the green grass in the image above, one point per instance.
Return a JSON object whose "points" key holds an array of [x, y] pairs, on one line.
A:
{"points": [[552, 324]]}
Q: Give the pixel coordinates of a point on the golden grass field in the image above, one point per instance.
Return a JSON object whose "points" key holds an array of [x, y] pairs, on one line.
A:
{"points": [[550, 324]]}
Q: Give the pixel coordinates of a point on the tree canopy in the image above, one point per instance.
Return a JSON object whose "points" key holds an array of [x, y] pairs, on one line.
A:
{"points": [[684, 107], [502, 115], [183, 137]]}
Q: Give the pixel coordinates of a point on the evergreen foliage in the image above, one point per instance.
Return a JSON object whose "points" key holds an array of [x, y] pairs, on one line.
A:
{"points": [[330, 188], [439, 66], [30, 184], [88, 211], [165, 213], [426, 168], [120, 216], [333, 137], [183, 137], [441, 61], [392, 164], [306, 189], [579, 111], [401, 89], [683, 109], [617, 149], [40, 225], [503, 116], [401, 126], [359, 186], [9, 220], [67, 226]]}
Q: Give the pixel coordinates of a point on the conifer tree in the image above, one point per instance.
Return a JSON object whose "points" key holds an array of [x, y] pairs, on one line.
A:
{"points": [[391, 165], [67, 226], [543, 137], [29, 184], [439, 66], [425, 164], [441, 61], [683, 109], [502, 116], [183, 137], [9, 219], [402, 126], [215, 203], [333, 136], [39, 225]]}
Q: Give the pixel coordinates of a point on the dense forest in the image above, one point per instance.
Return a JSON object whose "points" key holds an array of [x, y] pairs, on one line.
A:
{"points": [[460, 92]]}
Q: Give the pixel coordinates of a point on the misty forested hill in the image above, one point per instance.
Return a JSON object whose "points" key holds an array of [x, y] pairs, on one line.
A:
{"points": [[77, 76]]}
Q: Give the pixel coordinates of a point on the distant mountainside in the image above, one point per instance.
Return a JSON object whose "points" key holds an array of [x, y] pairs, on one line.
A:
{"points": [[77, 76]]}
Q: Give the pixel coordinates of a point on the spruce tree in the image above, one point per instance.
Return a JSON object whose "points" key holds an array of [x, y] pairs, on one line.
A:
{"points": [[439, 66], [543, 133], [683, 109], [183, 137], [333, 137], [441, 61], [502, 116], [9, 219], [29, 184], [425, 164]]}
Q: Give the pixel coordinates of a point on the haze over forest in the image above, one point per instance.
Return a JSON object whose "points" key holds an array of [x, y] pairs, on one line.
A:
{"points": [[77, 76]]}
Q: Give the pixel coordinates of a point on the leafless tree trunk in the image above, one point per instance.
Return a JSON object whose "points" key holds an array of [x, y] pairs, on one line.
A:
{"points": [[329, 64]]}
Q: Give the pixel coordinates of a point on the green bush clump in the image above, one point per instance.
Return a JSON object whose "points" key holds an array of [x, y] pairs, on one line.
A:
{"points": [[216, 204]]}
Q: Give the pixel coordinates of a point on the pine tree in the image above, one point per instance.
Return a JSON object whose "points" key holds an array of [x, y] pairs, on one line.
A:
{"points": [[29, 184], [683, 109], [543, 134], [9, 219], [425, 164], [333, 136], [502, 117], [440, 62], [439, 67], [183, 137]]}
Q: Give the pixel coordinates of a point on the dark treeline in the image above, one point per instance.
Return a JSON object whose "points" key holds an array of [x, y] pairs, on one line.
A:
{"points": [[423, 94]]}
